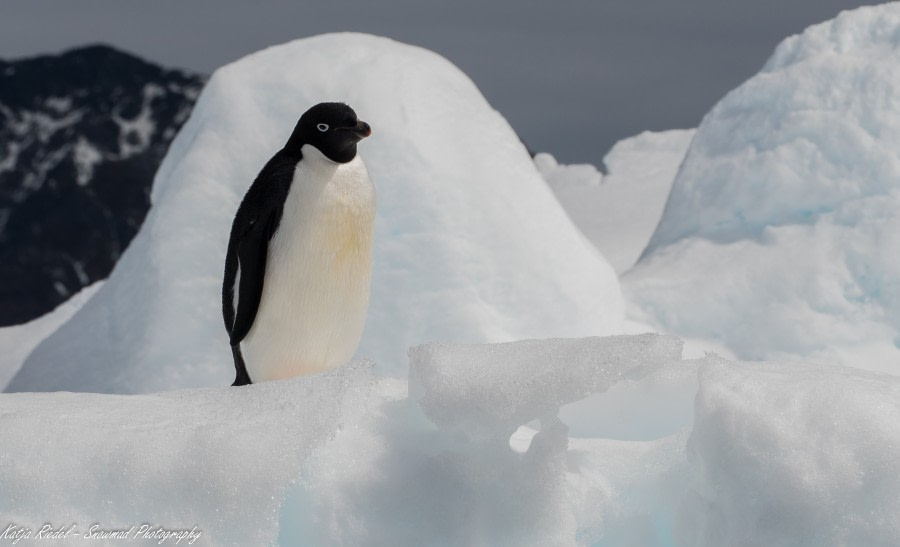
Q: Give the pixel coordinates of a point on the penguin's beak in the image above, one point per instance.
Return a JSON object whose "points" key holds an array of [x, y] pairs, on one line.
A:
{"points": [[362, 130]]}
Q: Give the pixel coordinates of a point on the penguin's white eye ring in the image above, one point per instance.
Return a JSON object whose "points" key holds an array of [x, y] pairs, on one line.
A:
{"points": [[323, 127]]}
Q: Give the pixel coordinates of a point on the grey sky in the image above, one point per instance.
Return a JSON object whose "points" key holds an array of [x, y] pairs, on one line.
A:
{"points": [[571, 76]]}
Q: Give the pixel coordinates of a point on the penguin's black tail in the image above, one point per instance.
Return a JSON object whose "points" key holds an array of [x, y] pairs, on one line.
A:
{"points": [[241, 377]]}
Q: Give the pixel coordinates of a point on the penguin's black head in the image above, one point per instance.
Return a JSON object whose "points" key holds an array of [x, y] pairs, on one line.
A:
{"points": [[332, 128]]}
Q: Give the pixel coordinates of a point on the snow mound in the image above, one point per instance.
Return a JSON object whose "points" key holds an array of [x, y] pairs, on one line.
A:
{"points": [[793, 454], [619, 211], [470, 245], [777, 238]]}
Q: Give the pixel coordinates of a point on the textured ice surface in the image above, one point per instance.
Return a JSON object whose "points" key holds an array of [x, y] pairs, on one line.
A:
{"points": [[219, 459], [470, 244], [780, 236], [793, 454], [618, 211], [462, 387]]}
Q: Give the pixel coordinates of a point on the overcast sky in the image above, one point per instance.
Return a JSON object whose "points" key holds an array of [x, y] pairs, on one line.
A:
{"points": [[571, 76]]}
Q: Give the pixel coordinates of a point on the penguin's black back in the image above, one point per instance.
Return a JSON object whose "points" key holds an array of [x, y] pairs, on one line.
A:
{"points": [[256, 220]]}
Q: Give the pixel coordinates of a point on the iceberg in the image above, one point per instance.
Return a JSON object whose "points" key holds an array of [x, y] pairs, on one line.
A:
{"points": [[778, 239], [619, 210], [470, 244]]}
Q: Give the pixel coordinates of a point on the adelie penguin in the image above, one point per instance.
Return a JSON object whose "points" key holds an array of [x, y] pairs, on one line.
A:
{"points": [[299, 259]]}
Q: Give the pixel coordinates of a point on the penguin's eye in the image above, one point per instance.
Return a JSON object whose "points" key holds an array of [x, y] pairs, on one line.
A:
{"points": [[323, 127]]}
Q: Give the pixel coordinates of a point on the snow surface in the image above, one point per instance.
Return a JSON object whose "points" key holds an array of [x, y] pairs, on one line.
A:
{"points": [[618, 211], [470, 245], [780, 237], [787, 454], [86, 156], [135, 133], [19, 341], [219, 459], [793, 454]]}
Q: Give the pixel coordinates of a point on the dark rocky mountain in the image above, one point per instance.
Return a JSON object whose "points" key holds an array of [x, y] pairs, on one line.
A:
{"points": [[81, 136]]}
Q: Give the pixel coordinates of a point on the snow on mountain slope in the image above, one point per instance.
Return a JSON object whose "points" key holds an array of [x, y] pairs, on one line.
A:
{"points": [[470, 245], [81, 136], [619, 211], [781, 233]]}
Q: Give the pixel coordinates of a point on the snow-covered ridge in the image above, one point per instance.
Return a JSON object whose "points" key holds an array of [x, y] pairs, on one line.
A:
{"points": [[470, 245]]}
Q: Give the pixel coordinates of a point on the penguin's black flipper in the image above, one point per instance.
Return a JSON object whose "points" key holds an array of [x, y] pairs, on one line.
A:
{"points": [[256, 220], [251, 253]]}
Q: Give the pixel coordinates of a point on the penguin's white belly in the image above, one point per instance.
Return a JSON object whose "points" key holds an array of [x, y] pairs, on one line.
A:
{"points": [[318, 271]]}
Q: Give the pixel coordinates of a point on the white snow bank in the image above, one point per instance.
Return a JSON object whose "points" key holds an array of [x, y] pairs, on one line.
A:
{"points": [[793, 454], [18, 341], [619, 211], [470, 245], [780, 234]]}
